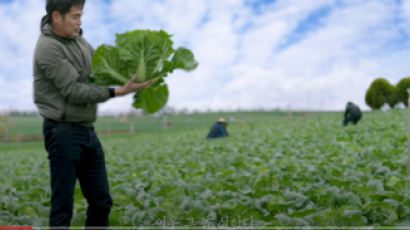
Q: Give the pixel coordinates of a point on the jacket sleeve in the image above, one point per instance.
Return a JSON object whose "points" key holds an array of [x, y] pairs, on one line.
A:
{"points": [[66, 78]]}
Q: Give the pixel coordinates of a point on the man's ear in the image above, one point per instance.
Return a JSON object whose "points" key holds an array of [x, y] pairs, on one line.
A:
{"points": [[56, 17]]}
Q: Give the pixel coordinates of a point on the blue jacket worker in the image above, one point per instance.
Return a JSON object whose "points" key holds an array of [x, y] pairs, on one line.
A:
{"points": [[352, 114], [218, 129]]}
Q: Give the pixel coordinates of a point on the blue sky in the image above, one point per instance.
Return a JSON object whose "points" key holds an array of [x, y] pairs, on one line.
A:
{"points": [[313, 21], [253, 54]]}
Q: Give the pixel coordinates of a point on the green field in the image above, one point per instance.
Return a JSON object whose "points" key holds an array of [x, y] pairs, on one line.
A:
{"points": [[19, 128], [273, 170]]}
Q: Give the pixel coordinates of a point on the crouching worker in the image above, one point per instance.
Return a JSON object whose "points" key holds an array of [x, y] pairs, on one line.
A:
{"points": [[218, 129], [352, 114]]}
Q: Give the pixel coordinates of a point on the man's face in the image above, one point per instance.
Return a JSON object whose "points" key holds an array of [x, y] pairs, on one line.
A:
{"points": [[68, 26]]}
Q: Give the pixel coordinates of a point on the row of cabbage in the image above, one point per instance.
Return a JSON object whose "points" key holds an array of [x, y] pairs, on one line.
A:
{"points": [[290, 171]]}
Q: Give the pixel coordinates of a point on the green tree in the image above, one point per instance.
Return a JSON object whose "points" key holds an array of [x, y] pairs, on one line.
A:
{"points": [[393, 98], [380, 92], [402, 87]]}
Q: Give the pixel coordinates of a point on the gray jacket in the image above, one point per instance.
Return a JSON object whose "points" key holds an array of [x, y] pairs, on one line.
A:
{"points": [[61, 67]]}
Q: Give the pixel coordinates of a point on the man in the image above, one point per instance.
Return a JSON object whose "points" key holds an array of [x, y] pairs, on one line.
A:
{"points": [[352, 114], [68, 104], [218, 129]]}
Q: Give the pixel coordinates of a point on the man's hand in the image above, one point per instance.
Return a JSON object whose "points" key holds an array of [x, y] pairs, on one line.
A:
{"points": [[132, 86]]}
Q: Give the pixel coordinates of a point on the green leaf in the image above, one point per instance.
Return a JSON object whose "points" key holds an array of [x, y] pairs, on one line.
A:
{"points": [[144, 51], [345, 216], [184, 59], [381, 212], [153, 98], [108, 67], [377, 185]]}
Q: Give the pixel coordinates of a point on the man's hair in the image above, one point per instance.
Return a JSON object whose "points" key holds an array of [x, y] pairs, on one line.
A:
{"points": [[61, 6]]}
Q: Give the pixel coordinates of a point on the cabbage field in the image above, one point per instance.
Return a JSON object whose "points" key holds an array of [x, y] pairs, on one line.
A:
{"points": [[283, 171]]}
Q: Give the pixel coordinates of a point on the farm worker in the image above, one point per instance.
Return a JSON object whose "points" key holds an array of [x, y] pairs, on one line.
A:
{"points": [[218, 129], [68, 103], [352, 114]]}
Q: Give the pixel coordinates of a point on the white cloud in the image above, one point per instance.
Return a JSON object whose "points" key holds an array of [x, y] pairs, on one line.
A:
{"points": [[237, 48]]}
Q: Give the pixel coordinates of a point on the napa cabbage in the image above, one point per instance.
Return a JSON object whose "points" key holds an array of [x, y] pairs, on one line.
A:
{"points": [[148, 55]]}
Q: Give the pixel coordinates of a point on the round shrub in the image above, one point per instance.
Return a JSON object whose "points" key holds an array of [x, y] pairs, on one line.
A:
{"points": [[402, 87], [380, 92], [393, 98]]}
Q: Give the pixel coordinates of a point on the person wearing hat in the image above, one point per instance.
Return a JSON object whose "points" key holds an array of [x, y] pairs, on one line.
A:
{"points": [[218, 129]]}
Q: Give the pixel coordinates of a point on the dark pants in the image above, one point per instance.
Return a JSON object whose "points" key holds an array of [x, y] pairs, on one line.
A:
{"points": [[74, 152]]}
